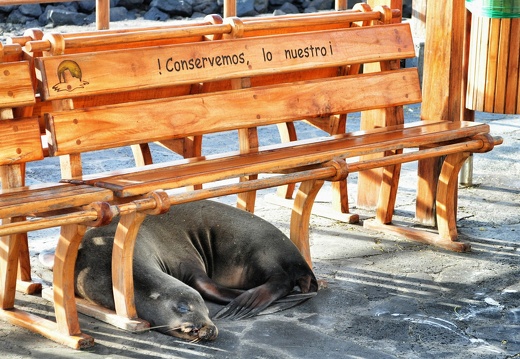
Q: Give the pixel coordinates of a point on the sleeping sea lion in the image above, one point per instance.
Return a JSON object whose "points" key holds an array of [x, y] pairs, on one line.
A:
{"points": [[227, 255]]}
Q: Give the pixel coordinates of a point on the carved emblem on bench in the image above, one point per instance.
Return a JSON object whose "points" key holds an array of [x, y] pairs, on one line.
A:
{"points": [[70, 77]]}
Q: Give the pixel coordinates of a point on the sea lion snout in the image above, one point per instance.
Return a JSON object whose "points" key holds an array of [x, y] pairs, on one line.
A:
{"points": [[191, 331], [208, 332]]}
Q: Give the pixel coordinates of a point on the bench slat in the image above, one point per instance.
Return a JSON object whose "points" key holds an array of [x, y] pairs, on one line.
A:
{"points": [[15, 85], [46, 198], [178, 174], [112, 71], [21, 141], [104, 127]]}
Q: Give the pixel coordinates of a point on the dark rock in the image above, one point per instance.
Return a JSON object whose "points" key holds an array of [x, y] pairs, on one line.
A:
{"points": [[71, 6], [16, 17], [90, 19], [84, 11], [32, 10], [246, 8], [59, 17], [205, 7], [118, 14], [289, 8], [262, 6], [276, 3], [7, 9], [322, 4], [131, 4], [87, 6], [174, 7], [155, 14], [198, 15]]}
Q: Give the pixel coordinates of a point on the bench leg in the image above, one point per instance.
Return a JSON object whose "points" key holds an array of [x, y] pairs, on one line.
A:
{"points": [[287, 133], [446, 207], [388, 192], [122, 263], [66, 329], [248, 140], [446, 202], [142, 154], [9, 253], [13, 176], [25, 283], [63, 278], [301, 214]]}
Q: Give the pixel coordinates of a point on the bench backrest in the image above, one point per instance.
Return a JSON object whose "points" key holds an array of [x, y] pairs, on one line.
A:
{"points": [[21, 140], [159, 70]]}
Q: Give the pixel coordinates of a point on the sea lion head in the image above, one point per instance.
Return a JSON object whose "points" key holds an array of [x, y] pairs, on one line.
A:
{"points": [[179, 311]]}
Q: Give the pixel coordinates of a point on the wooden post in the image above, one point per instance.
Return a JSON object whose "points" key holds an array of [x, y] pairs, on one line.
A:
{"points": [[369, 181], [442, 87], [230, 8], [102, 14]]}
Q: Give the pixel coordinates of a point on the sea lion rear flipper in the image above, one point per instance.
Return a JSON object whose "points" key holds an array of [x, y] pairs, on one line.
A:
{"points": [[249, 303], [287, 302], [260, 300]]}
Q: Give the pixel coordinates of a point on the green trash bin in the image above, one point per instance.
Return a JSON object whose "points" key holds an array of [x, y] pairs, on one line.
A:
{"points": [[494, 56], [494, 8]]}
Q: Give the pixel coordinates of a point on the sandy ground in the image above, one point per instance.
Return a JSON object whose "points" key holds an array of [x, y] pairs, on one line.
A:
{"points": [[385, 297]]}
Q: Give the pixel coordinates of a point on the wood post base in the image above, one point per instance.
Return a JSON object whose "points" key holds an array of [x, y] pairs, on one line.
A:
{"points": [[419, 235], [105, 315], [317, 209], [45, 328]]}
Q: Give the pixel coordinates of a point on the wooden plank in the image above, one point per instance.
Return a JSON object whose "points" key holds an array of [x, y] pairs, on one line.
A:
{"points": [[21, 141], [103, 314], [97, 128], [491, 70], [512, 67], [102, 14], [442, 87], [136, 69], [482, 56], [22, 201], [46, 328], [15, 85], [293, 155], [472, 65], [503, 57]]}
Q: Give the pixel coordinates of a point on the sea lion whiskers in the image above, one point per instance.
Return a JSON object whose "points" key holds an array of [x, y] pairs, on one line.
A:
{"points": [[138, 331]]}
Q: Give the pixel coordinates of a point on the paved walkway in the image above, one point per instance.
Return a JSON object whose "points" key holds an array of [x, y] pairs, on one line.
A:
{"points": [[385, 297]]}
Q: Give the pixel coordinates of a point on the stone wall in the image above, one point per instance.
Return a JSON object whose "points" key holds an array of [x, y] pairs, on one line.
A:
{"points": [[83, 12]]}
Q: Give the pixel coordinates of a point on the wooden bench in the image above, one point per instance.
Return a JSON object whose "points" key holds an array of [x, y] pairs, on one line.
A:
{"points": [[114, 78], [27, 208], [106, 99]]}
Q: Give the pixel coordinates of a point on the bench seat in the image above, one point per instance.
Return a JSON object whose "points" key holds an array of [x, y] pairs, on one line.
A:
{"points": [[292, 156]]}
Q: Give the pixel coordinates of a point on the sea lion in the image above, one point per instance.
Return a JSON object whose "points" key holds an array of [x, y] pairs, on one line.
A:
{"points": [[227, 255]]}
